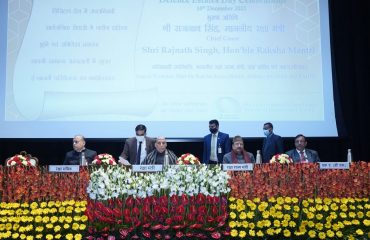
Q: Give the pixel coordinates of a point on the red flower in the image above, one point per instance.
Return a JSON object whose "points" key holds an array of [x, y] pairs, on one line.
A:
{"points": [[146, 234], [156, 227], [216, 235], [179, 234]]}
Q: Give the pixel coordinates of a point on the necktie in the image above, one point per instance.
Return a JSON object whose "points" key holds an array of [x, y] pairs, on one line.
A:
{"points": [[138, 154], [303, 158], [213, 147]]}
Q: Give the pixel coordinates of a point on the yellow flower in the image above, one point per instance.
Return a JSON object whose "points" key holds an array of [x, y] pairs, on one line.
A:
{"points": [[240, 202], [295, 215], [256, 200], [84, 218], [232, 215], [319, 226], [66, 226], [58, 236], [342, 214], [69, 236], [355, 222], [265, 214], [287, 207], [39, 229], [250, 215], [322, 235], [49, 225], [276, 223], [242, 234], [360, 214], [62, 210], [57, 228], [260, 224], [270, 231], [15, 235], [305, 203], [232, 206], [330, 233], [260, 233], [29, 237], [310, 215], [34, 205], [232, 224], [339, 234], [231, 199], [251, 225], [252, 233], [366, 222], [359, 232], [45, 219], [39, 236], [243, 215], [78, 236], [49, 236], [43, 204], [280, 200], [352, 214], [234, 233], [292, 224], [240, 208], [287, 233], [82, 226], [244, 224]]}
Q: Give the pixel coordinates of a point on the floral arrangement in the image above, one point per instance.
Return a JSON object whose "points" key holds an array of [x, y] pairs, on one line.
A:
{"points": [[291, 218], [22, 159], [104, 159], [44, 220], [116, 182], [180, 202], [281, 158], [187, 159]]}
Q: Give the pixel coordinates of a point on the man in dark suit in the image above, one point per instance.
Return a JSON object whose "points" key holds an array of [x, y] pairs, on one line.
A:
{"points": [[301, 154], [79, 155], [215, 144], [139, 144], [272, 144]]}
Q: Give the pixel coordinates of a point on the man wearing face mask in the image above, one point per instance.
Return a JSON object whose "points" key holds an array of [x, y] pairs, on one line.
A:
{"points": [[215, 145], [136, 148], [301, 154], [238, 154], [272, 143]]}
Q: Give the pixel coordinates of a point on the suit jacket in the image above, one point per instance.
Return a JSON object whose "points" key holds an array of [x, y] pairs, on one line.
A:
{"points": [[130, 149], [223, 141], [272, 145], [312, 155], [74, 158]]}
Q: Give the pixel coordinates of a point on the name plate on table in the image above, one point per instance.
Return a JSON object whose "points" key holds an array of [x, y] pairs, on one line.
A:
{"points": [[238, 167], [334, 165], [64, 168], [147, 168]]}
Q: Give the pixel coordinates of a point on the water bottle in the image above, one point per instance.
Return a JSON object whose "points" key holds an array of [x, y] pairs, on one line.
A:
{"points": [[165, 161], [258, 157], [349, 156], [83, 159]]}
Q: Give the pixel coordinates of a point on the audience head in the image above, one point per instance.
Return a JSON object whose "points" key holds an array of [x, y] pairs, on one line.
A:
{"points": [[161, 144], [79, 143], [267, 128], [213, 126], [300, 142], [238, 144], [140, 131]]}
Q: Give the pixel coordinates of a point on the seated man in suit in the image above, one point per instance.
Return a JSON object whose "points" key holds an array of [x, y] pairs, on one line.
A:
{"points": [[301, 154], [160, 155], [136, 148], [238, 154], [272, 143], [215, 145], [79, 155]]}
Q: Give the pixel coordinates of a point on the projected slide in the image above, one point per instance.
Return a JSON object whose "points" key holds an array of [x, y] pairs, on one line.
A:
{"points": [[180, 62]]}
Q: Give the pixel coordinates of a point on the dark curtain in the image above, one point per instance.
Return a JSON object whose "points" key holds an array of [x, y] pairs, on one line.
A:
{"points": [[350, 27]]}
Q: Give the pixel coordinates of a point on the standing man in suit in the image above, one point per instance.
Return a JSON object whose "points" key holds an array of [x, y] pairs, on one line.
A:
{"points": [[301, 154], [272, 144], [79, 155], [136, 148], [215, 144]]}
